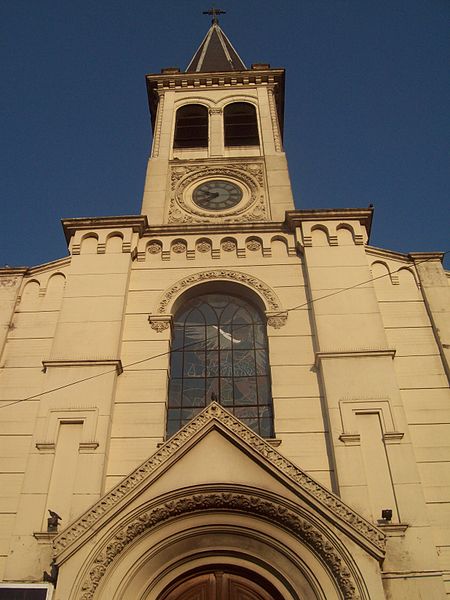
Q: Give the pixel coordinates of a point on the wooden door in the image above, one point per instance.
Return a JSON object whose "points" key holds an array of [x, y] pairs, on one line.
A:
{"points": [[220, 585]]}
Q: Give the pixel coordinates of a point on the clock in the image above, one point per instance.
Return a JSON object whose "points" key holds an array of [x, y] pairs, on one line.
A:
{"points": [[217, 194]]}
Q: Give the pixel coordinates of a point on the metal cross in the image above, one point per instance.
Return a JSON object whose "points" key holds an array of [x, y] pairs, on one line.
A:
{"points": [[214, 12]]}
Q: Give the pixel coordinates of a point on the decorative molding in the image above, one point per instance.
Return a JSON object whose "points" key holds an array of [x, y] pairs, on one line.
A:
{"points": [[45, 537], [228, 246], [245, 503], [353, 354], [249, 174], [253, 245], [84, 362], [276, 319], [158, 125], [392, 437], [257, 285], [160, 322], [9, 281], [203, 247], [47, 447], [350, 439], [393, 529], [154, 248], [179, 248], [274, 118], [137, 223], [215, 111], [214, 411]]}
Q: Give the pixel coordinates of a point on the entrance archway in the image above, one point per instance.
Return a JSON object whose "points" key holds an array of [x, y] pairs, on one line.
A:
{"points": [[220, 584]]}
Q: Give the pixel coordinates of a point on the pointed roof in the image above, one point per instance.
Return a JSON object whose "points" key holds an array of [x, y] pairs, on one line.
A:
{"points": [[216, 53]]}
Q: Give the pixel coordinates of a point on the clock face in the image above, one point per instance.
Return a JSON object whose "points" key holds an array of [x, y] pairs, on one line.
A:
{"points": [[217, 194]]}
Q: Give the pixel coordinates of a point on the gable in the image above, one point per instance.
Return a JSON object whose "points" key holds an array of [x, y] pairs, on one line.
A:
{"points": [[211, 448]]}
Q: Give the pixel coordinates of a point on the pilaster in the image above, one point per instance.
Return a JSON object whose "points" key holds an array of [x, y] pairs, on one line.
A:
{"points": [[435, 287]]}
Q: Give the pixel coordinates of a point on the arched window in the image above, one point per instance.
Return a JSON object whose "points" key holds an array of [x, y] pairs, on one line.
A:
{"points": [[191, 127], [220, 353], [240, 125]]}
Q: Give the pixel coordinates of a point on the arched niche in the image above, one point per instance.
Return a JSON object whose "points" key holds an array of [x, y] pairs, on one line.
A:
{"points": [[55, 289], [30, 293], [320, 236], [114, 243], [89, 244], [279, 247], [345, 235]]}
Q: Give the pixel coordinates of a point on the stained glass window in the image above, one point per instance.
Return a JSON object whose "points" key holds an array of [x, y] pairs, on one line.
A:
{"points": [[220, 353]]}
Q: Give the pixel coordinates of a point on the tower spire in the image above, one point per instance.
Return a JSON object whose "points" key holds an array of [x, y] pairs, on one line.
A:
{"points": [[216, 52]]}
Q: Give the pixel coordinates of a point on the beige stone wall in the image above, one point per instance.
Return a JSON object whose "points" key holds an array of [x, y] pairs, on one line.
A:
{"points": [[358, 378]]}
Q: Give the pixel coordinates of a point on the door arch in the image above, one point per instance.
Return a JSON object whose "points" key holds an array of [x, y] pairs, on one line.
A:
{"points": [[220, 584]]}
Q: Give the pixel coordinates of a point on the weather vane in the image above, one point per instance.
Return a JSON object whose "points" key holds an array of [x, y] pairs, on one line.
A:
{"points": [[214, 13]]}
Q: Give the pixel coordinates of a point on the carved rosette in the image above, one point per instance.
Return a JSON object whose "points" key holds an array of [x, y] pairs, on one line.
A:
{"points": [[251, 177], [228, 246], [154, 248], [179, 247], [253, 245], [269, 509], [203, 247]]}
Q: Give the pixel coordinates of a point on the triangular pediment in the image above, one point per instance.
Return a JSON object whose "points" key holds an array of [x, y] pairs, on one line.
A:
{"points": [[215, 448]]}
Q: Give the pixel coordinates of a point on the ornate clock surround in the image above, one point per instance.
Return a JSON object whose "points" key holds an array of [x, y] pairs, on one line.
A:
{"points": [[249, 175]]}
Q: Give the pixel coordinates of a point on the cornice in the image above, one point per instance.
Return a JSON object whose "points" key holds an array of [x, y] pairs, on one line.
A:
{"points": [[360, 353], [172, 79], [392, 254], [221, 228], [294, 218], [85, 362], [214, 415], [426, 256], [250, 77], [137, 222], [17, 271]]}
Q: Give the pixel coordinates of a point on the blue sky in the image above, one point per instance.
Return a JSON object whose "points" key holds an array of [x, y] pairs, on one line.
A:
{"points": [[367, 98]]}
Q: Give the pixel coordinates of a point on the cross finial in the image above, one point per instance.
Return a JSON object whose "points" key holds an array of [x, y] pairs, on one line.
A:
{"points": [[214, 12]]}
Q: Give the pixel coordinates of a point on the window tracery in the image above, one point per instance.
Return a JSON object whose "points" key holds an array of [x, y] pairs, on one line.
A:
{"points": [[220, 353]]}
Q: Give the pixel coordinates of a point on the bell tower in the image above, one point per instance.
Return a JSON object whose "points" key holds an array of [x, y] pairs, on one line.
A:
{"points": [[217, 154]]}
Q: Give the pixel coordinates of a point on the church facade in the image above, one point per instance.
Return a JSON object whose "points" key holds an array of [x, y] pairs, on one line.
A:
{"points": [[224, 397]]}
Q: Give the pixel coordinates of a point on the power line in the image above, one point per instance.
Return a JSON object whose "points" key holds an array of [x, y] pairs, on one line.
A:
{"points": [[168, 352]]}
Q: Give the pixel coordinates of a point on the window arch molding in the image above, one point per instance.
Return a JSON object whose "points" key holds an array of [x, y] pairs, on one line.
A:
{"points": [[238, 283]]}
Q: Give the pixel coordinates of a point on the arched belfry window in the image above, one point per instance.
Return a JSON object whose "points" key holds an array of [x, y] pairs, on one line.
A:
{"points": [[220, 353], [240, 124], [191, 127]]}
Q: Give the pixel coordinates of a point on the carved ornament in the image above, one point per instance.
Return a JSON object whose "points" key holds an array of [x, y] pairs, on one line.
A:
{"points": [[179, 248], [203, 247], [251, 177], [228, 246], [253, 245], [8, 281], [214, 411], [264, 290], [236, 502], [277, 319], [154, 248]]}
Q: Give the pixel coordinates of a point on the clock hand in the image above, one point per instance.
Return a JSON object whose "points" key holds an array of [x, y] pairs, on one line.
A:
{"points": [[211, 194]]}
